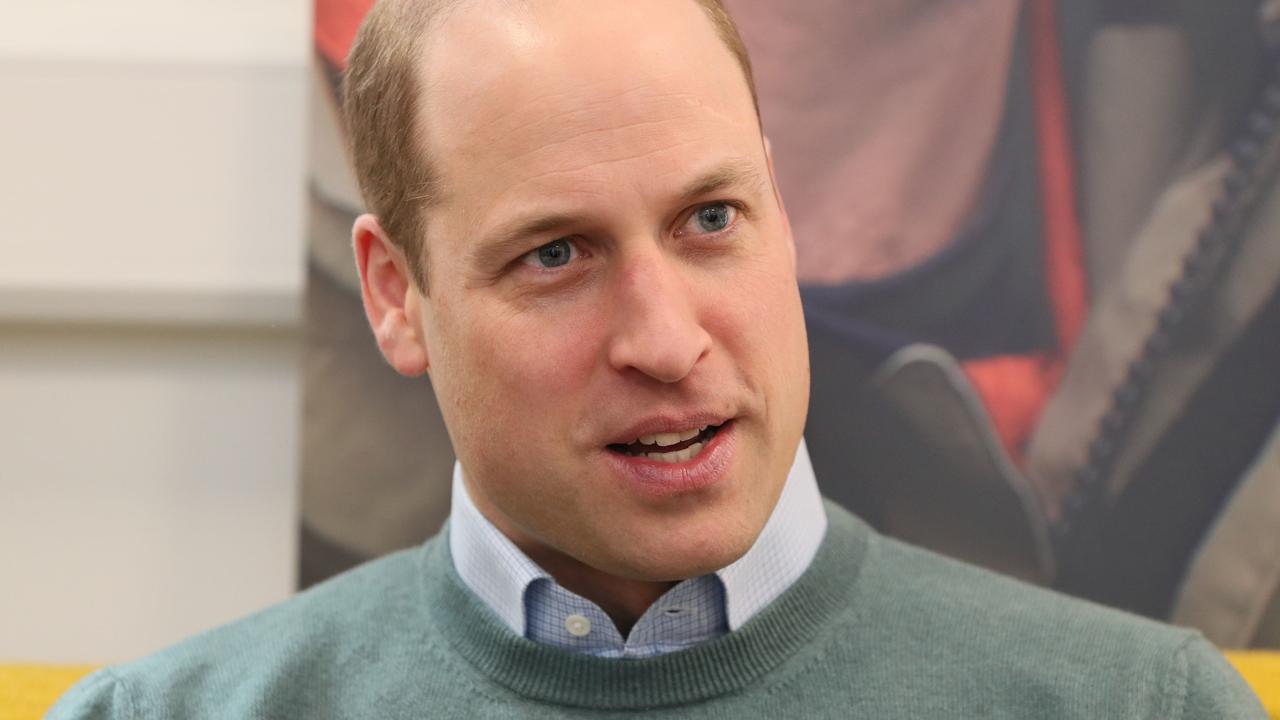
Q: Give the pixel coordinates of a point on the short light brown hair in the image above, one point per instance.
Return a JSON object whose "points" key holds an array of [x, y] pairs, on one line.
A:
{"points": [[381, 97]]}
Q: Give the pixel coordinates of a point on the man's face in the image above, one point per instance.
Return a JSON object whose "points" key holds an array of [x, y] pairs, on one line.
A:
{"points": [[609, 262]]}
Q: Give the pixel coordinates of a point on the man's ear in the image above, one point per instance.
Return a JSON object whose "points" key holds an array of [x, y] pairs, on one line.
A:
{"points": [[777, 196], [391, 299]]}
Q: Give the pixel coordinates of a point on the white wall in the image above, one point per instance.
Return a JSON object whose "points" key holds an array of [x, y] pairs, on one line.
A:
{"points": [[152, 170]]}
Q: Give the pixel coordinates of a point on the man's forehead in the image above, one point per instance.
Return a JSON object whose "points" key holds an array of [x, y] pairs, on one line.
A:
{"points": [[505, 81]]}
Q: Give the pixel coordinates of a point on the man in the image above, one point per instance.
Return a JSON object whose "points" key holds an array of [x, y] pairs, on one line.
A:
{"points": [[576, 234]]}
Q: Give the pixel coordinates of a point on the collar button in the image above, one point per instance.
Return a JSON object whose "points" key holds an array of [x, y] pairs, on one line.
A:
{"points": [[577, 625]]}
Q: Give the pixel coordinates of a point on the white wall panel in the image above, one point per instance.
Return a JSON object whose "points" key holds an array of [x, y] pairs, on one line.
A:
{"points": [[148, 489], [142, 178], [218, 32], [152, 158]]}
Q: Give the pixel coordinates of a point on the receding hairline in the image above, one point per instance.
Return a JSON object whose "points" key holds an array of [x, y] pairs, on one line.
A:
{"points": [[447, 9]]}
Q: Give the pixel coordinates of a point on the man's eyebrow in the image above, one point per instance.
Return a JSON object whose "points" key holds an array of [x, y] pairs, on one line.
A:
{"points": [[734, 173], [495, 248]]}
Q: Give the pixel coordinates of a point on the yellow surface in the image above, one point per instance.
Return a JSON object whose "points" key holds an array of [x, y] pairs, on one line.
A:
{"points": [[28, 691], [1262, 671]]}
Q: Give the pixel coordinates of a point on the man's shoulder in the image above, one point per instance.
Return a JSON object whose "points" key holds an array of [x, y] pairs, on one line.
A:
{"points": [[964, 629], [367, 620]]}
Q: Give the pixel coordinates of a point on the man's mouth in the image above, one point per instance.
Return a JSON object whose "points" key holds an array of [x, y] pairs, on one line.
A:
{"points": [[669, 447]]}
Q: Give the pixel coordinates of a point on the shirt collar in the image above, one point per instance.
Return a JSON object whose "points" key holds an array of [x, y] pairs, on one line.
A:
{"points": [[487, 561], [783, 550], [499, 573]]}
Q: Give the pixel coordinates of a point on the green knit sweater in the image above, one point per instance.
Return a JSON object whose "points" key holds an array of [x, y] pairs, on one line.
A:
{"points": [[874, 629]]}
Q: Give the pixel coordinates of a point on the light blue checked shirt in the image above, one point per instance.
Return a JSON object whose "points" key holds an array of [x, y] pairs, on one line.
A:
{"points": [[534, 605]]}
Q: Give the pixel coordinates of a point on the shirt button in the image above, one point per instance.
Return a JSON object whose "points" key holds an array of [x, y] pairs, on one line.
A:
{"points": [[577, 625]]}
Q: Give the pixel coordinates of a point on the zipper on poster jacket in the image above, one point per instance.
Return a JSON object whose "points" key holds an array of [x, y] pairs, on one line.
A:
{"points": [[1254, 159]]}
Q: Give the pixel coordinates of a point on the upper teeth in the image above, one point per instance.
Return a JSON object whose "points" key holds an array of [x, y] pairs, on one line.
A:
{"points": [[677, 456], [671, 438]]}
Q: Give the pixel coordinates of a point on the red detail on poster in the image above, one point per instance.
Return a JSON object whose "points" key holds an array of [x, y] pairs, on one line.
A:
{"points": [[1015, 389], [336, 24]]}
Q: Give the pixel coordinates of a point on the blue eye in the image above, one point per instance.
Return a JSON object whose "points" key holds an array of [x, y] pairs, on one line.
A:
{"points": [[552, 255], [710, 219]]}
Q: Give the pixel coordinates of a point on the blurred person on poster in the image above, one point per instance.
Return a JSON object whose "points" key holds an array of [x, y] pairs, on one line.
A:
{"points": [[576, 233], [1041, 280]]}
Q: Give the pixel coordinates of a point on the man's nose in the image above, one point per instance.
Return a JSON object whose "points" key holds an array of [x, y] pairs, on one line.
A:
{"points": [[656, 327]]}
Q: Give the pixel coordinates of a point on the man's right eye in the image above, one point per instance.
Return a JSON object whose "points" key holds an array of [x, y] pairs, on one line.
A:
{"points": [[552, 255]]}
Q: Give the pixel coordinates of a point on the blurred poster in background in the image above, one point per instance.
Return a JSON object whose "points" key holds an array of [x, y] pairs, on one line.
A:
{"points": [[1038, 251], [376, 461]]}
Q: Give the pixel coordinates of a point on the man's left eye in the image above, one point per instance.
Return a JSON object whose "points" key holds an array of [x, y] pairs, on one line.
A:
{"points": [[710, 219], [554, 254]]}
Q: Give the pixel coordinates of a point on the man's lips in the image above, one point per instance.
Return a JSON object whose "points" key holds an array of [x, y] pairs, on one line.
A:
{"points": [[650, 428], [671, 447], [690, 465]]}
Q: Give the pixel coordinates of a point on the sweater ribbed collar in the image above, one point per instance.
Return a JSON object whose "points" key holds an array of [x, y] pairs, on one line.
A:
{"points": [[793, 621]]}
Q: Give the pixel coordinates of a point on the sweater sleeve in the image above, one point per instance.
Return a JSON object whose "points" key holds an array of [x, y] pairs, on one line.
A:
{"points": [[1211, 687], [100, 696]]}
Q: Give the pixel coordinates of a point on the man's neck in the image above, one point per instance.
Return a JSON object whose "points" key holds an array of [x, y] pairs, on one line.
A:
{"points": [[918, 95]]}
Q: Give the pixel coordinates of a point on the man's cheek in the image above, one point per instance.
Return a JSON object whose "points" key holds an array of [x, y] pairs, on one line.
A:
{"points": [[535, 363], [748, 310]]}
